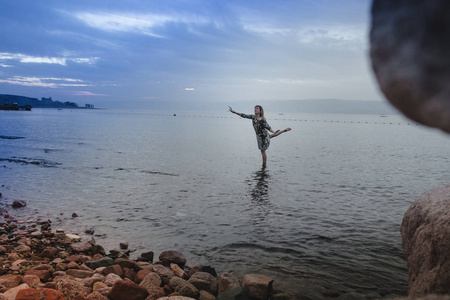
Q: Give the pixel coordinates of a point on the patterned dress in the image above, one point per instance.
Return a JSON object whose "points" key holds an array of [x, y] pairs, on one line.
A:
{"points": [[262, 131]]}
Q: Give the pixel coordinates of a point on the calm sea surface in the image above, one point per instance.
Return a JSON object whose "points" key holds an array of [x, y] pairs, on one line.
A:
{"points": [[324, 214]]}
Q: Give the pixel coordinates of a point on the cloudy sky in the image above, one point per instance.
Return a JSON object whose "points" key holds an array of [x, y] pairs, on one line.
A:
{"points": [[128, 53]]}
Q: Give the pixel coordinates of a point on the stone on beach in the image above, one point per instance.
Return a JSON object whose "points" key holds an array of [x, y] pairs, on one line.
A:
{"points": [[12, 293], [426, 243], [126, 290], [38, 294], [183, 287], [19, 204], [257, 286], [204, 281], [150, 281], [81, 247], [172, 256]]}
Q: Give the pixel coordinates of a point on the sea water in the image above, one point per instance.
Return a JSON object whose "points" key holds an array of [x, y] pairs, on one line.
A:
{"points": [[324, 214]]}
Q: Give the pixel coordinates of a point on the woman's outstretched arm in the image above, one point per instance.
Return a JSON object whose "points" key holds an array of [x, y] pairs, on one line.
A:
{"points": [[231, 110]]}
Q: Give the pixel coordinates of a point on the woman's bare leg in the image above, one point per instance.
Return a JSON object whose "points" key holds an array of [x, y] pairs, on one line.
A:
{"points": [[278, 132], [264, 157]]}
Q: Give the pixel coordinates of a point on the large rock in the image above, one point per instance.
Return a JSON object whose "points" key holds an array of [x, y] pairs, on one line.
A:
{"points": [[127, 290], [12, 293], [184, 288], [37, 294], [426, 243], [10, 281], [151, 281], [410, 46], [100, 262], [172, 256], [70, 287], [81, 247], [257, 286], [204, 281]]}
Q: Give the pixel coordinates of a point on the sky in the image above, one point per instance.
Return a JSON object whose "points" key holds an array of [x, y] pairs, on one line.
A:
{"points": [[135, 52]]}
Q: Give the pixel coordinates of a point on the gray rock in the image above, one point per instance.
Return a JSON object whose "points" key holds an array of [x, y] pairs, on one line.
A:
{"points": [[204, 281], [100, 262], [81, 247], [184, 288], [172, 256], [151, 281], [410, 46], [425, 238]]}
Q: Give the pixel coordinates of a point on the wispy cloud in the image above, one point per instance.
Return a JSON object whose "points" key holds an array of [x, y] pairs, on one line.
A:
{"points": [[83, 93], [23, 58], [45, 82], [135, 23]]}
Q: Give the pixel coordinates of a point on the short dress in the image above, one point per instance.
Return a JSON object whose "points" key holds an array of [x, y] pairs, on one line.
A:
{"points": [[262, 131]]}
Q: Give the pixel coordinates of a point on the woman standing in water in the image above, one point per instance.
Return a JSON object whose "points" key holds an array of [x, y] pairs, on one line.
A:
{"points": [[262, 129]]}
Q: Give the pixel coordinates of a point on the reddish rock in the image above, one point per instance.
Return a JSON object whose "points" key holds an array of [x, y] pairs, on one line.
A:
{"points": [[123, 246], [49, 252], [12, 293], [70, 287], [10, 281], [129, 274], [2, 250], [72, 265], [126, 290], [32, 280], [257, 286], [79, 273], [155, 293], [96, 296], [126, 263], [22, 249], [38, 294], [141, 275], [115, 269], [78, 258], [425, 235], [44, 275]]}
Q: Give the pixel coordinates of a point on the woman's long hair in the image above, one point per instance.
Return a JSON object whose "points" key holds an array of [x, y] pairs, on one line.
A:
{"points": [[261, 110]]}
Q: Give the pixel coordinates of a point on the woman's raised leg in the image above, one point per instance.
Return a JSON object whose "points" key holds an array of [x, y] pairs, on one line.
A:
{"points": [[278, 132]]}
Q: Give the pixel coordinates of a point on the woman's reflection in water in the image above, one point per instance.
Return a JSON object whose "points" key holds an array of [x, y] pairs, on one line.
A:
{"points": [[260, 190]]}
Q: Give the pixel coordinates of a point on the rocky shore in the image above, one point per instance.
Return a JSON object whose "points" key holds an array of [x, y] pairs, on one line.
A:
{"points": [[40, 262]]}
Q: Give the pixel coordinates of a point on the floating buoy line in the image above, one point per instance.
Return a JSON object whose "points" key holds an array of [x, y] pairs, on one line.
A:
{"points": [[172, 115]]}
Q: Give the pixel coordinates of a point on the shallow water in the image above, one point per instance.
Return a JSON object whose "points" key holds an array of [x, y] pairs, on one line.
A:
{"points": [[325, 213]]}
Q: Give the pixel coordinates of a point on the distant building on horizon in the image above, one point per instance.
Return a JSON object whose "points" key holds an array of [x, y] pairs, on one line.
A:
{"points": [[89, 105]]}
